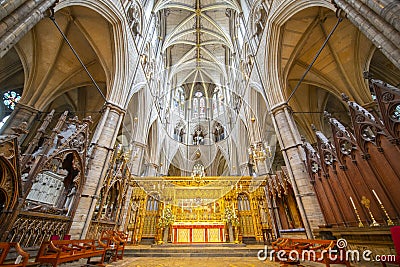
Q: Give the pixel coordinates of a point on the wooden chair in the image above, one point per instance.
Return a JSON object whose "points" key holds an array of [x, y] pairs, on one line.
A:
{"points": [[395, 231], [5, 249]]}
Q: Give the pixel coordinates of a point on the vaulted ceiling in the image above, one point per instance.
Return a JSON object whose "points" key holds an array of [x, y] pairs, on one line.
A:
{"points": [[197, 41]]}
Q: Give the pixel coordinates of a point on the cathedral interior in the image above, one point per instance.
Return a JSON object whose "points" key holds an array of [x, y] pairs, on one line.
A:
{"points": [[200, 121]]}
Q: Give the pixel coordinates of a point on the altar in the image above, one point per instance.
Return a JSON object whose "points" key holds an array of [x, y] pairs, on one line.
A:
{"points": [[198, 232]]}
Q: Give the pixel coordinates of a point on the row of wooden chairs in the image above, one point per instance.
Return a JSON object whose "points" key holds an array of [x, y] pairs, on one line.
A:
{"points": [[5, 248], [109, 246], [285, 250]]}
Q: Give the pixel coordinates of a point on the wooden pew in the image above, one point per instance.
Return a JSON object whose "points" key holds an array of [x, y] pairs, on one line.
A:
{"points": [[308, 249], [115, 242], [5, 248], [56, 252], [395, 231]]}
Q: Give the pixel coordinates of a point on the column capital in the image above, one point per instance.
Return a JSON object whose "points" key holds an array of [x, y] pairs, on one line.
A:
{"points": [[28, 108], [282, 106], [139, 144], [114, 107]]}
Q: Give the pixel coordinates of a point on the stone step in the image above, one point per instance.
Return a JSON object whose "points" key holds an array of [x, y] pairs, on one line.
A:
{"points": [[188, 251], [188, 255]]}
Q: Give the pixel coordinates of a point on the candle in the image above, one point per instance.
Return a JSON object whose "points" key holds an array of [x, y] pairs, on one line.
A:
{"points": [[352, 202], [214, 207], [373, 191]]}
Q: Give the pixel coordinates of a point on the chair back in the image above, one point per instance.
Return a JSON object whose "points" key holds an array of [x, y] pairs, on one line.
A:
{"points": [[4, 248], [67, 237], [55, 237], [395, 230]]}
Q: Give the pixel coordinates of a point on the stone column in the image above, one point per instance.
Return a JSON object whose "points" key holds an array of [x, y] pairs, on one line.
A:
{"points": [[152, 169], [22, 113], [293, 153], [16, 16], [101, 151], [15, 33], [378, 32], [389, 10], [137, 158], [377, 21], [6, 7]]}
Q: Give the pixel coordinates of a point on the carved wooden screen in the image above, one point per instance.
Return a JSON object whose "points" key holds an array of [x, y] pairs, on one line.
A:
{"points": [[282, 203], [359, 169], [10, 187], [52, 171], [108, 211]]}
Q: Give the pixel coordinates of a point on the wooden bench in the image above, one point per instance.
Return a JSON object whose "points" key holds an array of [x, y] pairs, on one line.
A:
{"points": [[115, 242], [395, 231], [56, 252], [5, 249], [290, 251]]}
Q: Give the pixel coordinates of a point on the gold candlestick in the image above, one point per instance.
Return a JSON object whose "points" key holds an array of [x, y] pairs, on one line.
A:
{"points": [[366, 202], [360, 224], [389, 221]]}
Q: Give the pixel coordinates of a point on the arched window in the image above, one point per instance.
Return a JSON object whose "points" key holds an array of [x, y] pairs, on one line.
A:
{"points": [[198, 136], [179, 132], [215, 105], [219, 132], [202, 107], [195, 107], [176, 100], [221, 103], [182, 104]]}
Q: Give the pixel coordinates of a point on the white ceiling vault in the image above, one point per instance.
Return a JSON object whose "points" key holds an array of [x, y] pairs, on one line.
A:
{"points": [[198, 40]]}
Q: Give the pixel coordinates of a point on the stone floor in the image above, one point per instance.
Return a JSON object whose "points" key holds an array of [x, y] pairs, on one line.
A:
{"points": [[213, 262]]}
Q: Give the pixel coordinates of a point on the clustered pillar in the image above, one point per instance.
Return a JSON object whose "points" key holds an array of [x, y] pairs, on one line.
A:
{"points": [[379, 20], [20, 19], [293, 153], [101, 151]]}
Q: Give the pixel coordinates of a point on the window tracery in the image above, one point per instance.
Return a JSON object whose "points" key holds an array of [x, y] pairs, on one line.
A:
{"points": [[219, 132], [134, 16], [179, 132], [199, 135], [11, 98]]}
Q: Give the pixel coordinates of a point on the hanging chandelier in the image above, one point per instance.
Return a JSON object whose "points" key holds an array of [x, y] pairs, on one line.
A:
{"points": [[258, 152], [198, 172]]}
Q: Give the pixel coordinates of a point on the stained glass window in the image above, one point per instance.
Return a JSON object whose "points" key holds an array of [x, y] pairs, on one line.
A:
{"points": [[10, 99], [215, 105], [202, 107], [195, 107]]}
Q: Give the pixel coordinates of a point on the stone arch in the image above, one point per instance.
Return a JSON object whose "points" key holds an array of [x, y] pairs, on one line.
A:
{"points": [[279, 16], [113, 61], [379, 67]]}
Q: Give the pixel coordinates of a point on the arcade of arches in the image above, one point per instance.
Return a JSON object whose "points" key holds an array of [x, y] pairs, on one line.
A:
{"points": [[218, 120]]}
